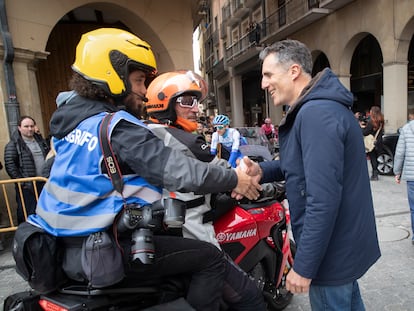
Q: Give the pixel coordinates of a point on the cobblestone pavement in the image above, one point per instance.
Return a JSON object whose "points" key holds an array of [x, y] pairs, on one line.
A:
{"points": [[387, 286]]}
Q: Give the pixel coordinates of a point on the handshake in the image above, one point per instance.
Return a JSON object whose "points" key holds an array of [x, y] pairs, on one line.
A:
{"points": [[249, 175]]}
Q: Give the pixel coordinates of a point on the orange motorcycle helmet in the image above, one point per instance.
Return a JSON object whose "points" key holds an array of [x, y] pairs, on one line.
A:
{"points": [[164, 90]]}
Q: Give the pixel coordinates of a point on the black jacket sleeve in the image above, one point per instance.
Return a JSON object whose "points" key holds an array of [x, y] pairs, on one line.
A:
{"points": [[12, 160], [146, 155]]}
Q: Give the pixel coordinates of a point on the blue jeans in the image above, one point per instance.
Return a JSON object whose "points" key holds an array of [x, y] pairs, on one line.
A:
{"points": [[336, 298], [410, 194]]}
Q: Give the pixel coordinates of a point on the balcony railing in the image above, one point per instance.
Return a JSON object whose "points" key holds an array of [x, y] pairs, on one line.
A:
{"points": [[239, 47], [294, 15]]}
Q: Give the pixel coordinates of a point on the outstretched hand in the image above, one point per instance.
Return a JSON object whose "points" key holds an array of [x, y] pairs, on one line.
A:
{"points": [[249, 175], [251, 168]]}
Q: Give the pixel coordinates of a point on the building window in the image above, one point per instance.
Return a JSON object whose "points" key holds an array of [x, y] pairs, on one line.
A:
{"points": [[282, 12], [313, 4]]}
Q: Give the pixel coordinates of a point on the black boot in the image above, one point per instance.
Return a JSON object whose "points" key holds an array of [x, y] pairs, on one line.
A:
{"points": [[374, 175]]}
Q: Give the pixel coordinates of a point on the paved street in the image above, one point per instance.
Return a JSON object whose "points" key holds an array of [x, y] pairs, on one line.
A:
{"points": [[387, 286]]}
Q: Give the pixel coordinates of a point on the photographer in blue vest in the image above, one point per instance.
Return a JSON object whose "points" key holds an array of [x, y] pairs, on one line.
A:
{"points": [[112, 67]]}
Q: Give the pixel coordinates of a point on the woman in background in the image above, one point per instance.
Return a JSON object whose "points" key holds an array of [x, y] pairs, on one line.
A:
{"points": [[375, 123]]}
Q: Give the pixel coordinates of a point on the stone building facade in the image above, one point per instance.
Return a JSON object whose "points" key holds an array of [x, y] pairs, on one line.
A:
{"points": [[367, 43]]}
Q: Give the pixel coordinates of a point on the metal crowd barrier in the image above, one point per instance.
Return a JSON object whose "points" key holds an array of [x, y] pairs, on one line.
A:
{"points": [[9, 199]]}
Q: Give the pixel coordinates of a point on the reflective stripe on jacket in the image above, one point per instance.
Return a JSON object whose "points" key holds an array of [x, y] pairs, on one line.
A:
{"points": [[79, 198]]}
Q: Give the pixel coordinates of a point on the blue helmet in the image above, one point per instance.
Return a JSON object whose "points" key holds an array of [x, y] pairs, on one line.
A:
{"points": [[221, 120]]}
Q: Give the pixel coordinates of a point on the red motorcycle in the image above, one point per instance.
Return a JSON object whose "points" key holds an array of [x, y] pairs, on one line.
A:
{"points": [[256, 236]]}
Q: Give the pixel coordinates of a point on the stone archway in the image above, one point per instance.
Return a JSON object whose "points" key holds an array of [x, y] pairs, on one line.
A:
{"points": [[54, 73], [320, 62], [367, 74]]}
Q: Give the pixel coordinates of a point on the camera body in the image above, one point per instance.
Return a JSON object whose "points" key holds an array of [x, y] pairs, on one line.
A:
{"points": [[135, 216], [143, 220], [363, 118]]}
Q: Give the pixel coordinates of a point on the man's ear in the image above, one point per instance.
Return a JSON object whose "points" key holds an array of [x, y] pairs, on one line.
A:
{"points": [[295, 71]]}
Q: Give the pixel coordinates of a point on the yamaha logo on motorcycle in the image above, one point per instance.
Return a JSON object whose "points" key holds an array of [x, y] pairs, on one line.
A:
{"points": [[225, 237], [256, 236]]}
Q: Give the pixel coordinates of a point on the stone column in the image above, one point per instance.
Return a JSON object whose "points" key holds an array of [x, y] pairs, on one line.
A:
{"points": [[395, 95], [25, 67], [236, 101], [221, 100]]}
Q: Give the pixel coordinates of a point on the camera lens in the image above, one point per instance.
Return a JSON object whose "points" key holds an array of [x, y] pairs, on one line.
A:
{"points": [[174, 216], [142, 248]]}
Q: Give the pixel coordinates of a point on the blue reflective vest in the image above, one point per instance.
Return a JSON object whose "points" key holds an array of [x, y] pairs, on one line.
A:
{"points": [[79, 198]]}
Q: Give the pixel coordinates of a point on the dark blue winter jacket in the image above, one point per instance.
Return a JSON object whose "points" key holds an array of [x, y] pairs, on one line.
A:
{"points": [[322, 159]]}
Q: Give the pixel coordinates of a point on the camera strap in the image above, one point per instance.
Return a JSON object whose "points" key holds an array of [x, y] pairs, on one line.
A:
{"points": [[110, 160]]}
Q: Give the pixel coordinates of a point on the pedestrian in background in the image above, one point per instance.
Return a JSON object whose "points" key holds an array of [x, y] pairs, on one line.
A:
{"points": [[329, 192], [228, 138], [200, 128], [374, 124], [24, 156], [404, 162]]}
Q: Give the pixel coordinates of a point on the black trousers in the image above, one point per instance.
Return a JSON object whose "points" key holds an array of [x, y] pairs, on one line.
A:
{"points": [[373, 155], [240, 293], [202, 264], [30, 201]]}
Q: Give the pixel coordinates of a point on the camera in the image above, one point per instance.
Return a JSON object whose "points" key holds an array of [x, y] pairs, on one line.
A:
{"points": [[135, 216], [143, 220], [362, 118], [139, 219]]}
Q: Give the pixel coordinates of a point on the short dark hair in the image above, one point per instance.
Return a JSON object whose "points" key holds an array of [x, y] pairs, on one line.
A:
{"points": [[26, 117], [288, 52]]}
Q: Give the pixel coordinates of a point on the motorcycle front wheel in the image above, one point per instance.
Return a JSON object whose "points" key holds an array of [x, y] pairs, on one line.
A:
{"points": [[276, 298]]}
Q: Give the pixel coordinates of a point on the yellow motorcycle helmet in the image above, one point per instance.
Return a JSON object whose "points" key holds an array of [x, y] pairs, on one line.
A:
{"points": [[106, 56], [164, 90]]}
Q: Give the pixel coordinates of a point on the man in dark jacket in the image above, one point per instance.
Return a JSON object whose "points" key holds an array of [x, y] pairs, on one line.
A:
{"points": [[24, 156], [322, 159]]}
